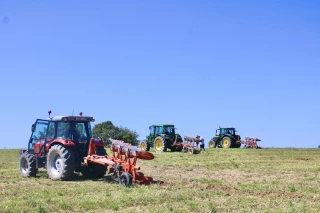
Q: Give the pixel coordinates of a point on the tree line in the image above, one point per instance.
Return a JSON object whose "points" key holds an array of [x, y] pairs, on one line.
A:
{"points": [[106, 130]]}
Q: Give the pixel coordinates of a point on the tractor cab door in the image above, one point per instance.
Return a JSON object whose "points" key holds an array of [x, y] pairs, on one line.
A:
{"points": [[42, 132]]}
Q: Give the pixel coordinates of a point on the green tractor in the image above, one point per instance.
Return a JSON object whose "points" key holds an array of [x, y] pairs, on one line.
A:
{"points": [[225, 138], [162, 137]]}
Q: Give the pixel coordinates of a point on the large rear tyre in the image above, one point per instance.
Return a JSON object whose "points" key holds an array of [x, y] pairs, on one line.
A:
{"points": [[27, 165], [226, 142], [125, 179], [160, 144], [60, 162]]}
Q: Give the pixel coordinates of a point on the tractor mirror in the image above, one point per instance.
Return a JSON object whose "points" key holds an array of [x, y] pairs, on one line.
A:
{"points": [[149, 127], [32, 127]]}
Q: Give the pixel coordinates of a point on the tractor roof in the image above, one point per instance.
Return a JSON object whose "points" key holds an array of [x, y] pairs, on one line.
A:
{"points": [[70, 118], [226, 128], [163, 124]]}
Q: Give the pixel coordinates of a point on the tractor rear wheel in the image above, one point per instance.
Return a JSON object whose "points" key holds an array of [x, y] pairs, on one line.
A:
{"points": [[226, 142], [60, 162], [160, 144], [27, 165], [144, 146], [125, 179]]}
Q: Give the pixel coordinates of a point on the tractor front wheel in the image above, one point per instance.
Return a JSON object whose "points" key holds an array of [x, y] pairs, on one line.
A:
{"points": [[125, 179], [160, 144], [226, 142], [60, 162], [212, 144], [144, 146], [27, 165]]}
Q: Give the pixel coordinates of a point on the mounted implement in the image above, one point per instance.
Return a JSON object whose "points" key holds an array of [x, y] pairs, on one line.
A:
{"points": [[64, 145], [189, 144], [225, 138], [161, 138], [122, 162], [251, 143]]}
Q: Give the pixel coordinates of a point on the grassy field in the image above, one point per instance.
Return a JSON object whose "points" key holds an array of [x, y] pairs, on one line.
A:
{"points": [[220, 180]]}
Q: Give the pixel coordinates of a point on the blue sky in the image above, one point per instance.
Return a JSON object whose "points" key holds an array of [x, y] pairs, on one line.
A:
{"points": [[254, 65]]}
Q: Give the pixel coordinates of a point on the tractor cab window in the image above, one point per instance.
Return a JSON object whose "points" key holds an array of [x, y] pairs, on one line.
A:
{"points": [[230, 131], [39, 134], [168, 130], [75, 131], [159, 130], [63, 130], [51, 131], [151, 130]]}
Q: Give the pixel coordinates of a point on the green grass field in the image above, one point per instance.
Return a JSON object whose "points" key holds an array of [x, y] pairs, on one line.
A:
{"points": [[220, 180]]}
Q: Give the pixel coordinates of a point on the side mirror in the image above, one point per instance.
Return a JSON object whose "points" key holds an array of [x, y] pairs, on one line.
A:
{"points": [[33, 127]]}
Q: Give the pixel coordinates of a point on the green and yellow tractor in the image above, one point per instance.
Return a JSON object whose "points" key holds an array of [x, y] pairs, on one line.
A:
{"points": [[161, 138], [225, 138]]}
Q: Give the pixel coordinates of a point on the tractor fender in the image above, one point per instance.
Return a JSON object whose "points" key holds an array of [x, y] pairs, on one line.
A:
{"points": [[61, 141]]}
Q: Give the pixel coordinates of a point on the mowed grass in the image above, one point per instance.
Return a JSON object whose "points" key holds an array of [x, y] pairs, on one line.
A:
{"points": [[220, 180]]}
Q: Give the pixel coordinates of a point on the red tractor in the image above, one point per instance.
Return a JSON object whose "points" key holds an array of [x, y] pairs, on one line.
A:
{"points": [[64, 145]]}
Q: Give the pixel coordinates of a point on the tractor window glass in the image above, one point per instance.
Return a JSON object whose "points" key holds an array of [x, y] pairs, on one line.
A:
{"points": [[40, 130], [151, 130], [159, 130], [79, 133], [63, 130], [39, 134], [51, 131]]}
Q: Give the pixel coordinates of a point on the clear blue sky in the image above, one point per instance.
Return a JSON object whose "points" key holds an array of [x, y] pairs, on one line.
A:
{"points": [[254, 65]]}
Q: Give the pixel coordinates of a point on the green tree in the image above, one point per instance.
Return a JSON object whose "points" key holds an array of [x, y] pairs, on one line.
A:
{"points": [[107, 130]]}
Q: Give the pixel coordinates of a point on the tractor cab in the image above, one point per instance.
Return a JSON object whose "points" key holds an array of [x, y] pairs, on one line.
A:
{"points": [[225, 131], [162, 130]]}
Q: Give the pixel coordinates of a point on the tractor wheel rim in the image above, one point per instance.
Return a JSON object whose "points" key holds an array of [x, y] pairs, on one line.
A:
{"points": [[58, 164], [24, 165], [225, 142], [211, 144], [158, 145], [143, 146], [123, 180]]}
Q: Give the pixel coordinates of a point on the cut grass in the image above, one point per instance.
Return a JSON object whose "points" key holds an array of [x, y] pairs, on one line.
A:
{"points": [[220, 180]]}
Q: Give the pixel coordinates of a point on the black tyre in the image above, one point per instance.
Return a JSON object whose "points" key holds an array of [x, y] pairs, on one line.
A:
{"points": [[160, 144], [60, 162], [125, 179], [144, 146], [94, 171], [226, 142], [27, 165]]}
